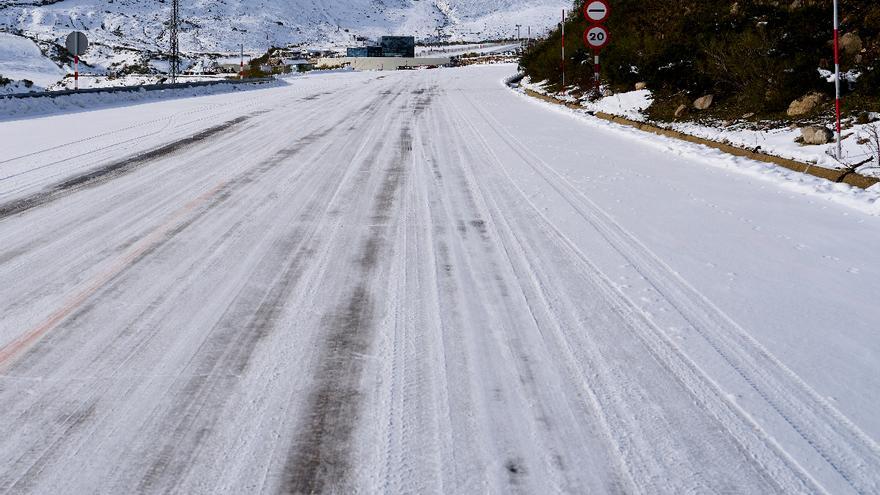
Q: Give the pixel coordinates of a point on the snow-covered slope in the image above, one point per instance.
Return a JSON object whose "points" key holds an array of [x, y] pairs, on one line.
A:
{"points": [[220, 25], [22, 60], [132, 35]]}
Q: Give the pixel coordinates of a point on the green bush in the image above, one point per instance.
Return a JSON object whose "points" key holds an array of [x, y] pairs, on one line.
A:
{"points": [[758, 54]]}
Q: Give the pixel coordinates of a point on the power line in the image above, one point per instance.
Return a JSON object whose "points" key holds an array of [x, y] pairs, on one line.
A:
{"points": [[175, 47]]}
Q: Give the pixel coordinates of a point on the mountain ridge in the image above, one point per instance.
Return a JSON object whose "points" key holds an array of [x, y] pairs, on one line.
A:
{"points": [[223, 25]]}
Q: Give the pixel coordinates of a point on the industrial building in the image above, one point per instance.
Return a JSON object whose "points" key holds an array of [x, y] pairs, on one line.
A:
{"points": [[391, 53], [384, 63], [389, 46]]}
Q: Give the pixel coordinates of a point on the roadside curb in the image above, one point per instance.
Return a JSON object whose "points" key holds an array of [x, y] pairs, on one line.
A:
{"points": [[838, 176]]}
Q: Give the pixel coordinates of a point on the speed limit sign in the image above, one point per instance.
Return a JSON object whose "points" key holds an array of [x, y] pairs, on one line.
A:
{"points": [[596, 37]]}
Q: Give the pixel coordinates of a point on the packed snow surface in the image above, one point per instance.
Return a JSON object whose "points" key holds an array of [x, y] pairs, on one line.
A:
{"points": [[21, 59], [423, 282]]}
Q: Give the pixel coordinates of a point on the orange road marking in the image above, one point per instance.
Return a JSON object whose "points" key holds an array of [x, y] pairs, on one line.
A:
{"points": [[22, 343]]}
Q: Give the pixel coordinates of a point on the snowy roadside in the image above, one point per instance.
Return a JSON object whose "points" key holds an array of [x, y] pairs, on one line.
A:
{"points": [[780, 141], [867, 201], [15, 109]]}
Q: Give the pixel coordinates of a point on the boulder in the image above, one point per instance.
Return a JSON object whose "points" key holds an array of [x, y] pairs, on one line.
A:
{"points": [[816, 134], [680, 111], [850, 43], [641, 85], [748, 115], [805, 104], [607, 92], [704, 102]]}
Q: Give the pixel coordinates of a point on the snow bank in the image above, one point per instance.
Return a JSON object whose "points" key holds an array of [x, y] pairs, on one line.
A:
{"points": [[780, 141], [14, 109], [867, 201], [776, 140]]}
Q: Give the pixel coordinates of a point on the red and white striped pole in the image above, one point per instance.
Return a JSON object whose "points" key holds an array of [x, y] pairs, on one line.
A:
{"points": [[76, 62], [563, 50], [837, 77], [596, 72]]}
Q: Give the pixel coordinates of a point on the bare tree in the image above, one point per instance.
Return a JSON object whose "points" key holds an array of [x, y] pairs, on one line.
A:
{"points": [[871, 143]]}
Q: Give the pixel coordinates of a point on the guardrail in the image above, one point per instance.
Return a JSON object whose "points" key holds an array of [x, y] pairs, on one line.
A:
{"points": [[133, 89]]}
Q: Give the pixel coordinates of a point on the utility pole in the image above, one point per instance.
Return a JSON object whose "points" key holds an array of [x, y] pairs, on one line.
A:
{"points": [[518, 37], [837, 76], [175, 47], [241, 70], [563, 50]]}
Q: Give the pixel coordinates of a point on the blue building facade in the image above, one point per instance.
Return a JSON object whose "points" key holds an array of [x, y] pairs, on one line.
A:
{"points": [[398, 46], [389, 46], [364, 51]]}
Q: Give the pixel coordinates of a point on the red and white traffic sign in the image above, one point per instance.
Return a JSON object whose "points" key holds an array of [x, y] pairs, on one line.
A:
{"points": [[596, 37], [597, 11]]}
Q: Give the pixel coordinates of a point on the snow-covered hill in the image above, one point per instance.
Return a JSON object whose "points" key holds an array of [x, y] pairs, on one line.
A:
{"points": [[221, 25], [20, 60], [131, 35]]}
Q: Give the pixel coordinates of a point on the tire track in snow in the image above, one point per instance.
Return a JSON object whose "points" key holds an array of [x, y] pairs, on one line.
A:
{"points": [[60, 233], [319, 456], [852, 454], [148, 243], [116, 169], [735, 421], [242, 351], [523, 345], [252, 317]]}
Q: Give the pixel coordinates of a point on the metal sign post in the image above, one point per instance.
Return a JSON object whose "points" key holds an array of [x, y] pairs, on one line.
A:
{"points": [[837, 77], [563, 50], [77, 43], [596, 36]]}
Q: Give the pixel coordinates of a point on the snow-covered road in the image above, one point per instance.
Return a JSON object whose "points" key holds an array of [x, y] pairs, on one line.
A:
{"points": [[421, 282]]}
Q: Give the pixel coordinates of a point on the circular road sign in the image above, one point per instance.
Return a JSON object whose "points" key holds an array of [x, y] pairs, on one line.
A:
{"points": [[597, 11], [596, 37], [77, 43]]}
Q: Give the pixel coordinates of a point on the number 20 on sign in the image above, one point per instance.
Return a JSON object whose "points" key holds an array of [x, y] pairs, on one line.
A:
{"points": [[596, 37]]}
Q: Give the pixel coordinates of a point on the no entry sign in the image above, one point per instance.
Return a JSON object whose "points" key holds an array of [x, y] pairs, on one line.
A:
{"points": [[596, 37], [597, 11]]}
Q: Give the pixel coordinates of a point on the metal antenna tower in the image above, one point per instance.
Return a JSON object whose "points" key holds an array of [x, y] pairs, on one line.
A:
{"points": [[175, 48]]}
